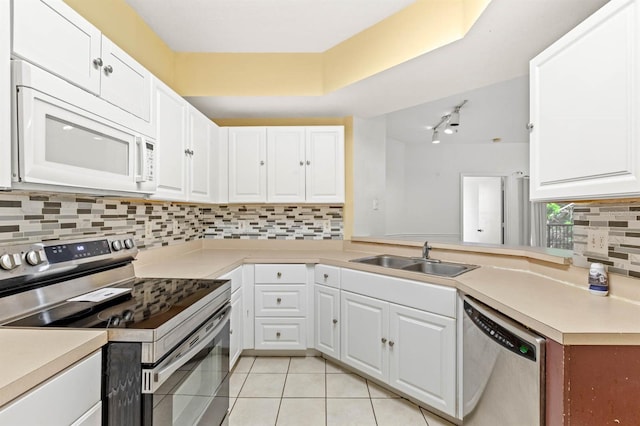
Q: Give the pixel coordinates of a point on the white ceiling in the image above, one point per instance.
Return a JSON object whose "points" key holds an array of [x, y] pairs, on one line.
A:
{"points": [[261, 25], [497, 48]]}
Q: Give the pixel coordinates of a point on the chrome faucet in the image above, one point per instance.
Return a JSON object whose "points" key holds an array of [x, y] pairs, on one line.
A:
{"points": [[425, 250]]}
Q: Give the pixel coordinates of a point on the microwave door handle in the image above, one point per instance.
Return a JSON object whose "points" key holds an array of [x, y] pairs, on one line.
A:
{"points": [[164, 372], [141, 161]]}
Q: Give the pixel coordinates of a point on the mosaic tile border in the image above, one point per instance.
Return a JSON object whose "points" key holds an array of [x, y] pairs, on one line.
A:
{"points": [[621, 223], [31, 217]]}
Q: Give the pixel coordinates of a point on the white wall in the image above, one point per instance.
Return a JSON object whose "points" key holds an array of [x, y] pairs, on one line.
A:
{"points": [[369, 176], [431, 176], [395, 184]]}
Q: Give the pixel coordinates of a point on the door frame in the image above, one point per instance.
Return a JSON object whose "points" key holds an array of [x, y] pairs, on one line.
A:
{"points": [[505, 212]]}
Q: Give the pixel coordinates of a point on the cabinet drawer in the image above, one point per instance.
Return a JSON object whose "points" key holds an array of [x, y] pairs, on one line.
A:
{"points": [[278, 273], [281, 301], [327, 275], [60, 400], [280, 333]]}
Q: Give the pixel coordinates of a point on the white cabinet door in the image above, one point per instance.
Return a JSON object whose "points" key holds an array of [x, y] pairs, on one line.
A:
{"points": [[5, 97], [53, 36], [247, 164], [325, 164], [171, 143], [364, 334], [422, 356], [327, 321], [200, 156], [286, 164], [585, 98], [124, 81], [236, 338]]}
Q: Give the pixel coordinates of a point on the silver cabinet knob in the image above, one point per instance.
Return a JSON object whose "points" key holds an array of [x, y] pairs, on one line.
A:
{"points": [[302, 163], [335, 321], [278, 334], [326, 277], [97, 62], [261, 162], [279, 274], [230, 331], [308, 163], [108, 69], [530, 126], [391, 343], [278, 300], [384, 340]]}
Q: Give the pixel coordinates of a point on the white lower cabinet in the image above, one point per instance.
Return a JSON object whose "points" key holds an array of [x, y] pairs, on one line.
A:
{"points": [[68, 398], [422, 356], [365, 331], [327, 320], [235, 339], [280, 307]]}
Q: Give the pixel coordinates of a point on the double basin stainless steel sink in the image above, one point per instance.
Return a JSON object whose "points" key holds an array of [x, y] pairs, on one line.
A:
{"points": [[416, 264]]}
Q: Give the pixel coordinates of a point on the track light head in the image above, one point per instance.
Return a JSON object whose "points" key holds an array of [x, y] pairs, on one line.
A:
{"points": [[436, 137], [454, 119]]}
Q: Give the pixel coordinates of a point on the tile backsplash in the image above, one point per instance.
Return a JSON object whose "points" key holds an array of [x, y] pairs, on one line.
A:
{"points": [[619, 223], [30, 217], [274, 222]]}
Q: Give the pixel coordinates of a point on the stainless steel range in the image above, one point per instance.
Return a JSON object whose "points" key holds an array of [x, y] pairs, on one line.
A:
{"points": [[167, 360]]}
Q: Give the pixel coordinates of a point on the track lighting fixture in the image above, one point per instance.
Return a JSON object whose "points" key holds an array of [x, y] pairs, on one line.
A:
{"points": [[450, 122]]}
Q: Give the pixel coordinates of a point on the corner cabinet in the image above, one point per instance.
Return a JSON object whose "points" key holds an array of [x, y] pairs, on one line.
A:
{"points": [[286, 164], [585, 109], [188, 150]]}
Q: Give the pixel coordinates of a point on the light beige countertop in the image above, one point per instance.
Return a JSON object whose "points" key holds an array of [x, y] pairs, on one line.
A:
{"points": [[549, 297], [31, 356]]}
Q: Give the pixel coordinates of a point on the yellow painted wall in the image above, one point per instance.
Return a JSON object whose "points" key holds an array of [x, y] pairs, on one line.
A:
{"points": [[249, 74], [122, 25], [347, 122]]}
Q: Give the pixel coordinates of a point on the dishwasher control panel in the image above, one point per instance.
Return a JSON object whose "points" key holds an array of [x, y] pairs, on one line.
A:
{"points": [[500, 334]]}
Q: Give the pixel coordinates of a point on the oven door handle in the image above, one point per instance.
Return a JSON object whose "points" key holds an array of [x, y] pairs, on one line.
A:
{"points": [[193, 345]]}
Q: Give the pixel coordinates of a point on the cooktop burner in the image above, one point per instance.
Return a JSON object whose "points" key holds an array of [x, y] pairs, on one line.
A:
{"points": [[150, 303]]}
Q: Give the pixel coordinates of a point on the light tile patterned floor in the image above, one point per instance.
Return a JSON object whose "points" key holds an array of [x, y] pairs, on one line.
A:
{"points": [[311, 391]]}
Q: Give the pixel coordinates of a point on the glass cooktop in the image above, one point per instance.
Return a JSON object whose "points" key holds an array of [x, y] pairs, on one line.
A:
{"points": [[150, 303]]}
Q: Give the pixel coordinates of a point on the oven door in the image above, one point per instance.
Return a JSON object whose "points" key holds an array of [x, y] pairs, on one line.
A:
{"points": [[191, 385]]}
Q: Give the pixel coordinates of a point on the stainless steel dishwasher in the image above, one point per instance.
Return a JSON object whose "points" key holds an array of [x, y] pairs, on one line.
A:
{"points": [[503, 372]]}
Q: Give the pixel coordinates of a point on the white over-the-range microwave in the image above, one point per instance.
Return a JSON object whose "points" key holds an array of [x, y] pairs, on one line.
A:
{"points": [[67, 139]]}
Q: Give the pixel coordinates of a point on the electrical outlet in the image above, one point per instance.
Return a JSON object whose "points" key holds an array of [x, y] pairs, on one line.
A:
{"points": [[242, 226], [376, 204], [598, 241], [326, 226], [148, 228]]}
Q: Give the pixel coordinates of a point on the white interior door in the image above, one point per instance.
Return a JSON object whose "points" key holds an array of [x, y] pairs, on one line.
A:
{"points": [[482, 209]]}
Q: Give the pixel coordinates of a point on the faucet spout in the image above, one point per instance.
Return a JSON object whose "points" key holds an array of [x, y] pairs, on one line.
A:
{"points": [[425, 250]]}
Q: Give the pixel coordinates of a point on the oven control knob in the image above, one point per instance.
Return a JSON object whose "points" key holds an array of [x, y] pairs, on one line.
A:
{"points": [[128, 243], [116, 245], [33, 257], [10, 261], [114, 321], [127, 315]]}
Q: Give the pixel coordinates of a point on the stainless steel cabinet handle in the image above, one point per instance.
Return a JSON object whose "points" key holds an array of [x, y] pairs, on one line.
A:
{"points": [[278, 300], [97, 62], [108, 69], [480, 230], [335, 321], [278, 334], [391, 343], [279, 274], [384, 340]]}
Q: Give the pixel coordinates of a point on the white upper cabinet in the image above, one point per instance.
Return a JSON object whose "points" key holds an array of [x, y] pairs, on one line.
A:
{"points": [[5, 98], [303, 164], [187, 149], [585, 104], [171, 143], [247, 164], [325, 164], [286, 164], [52, 35]]}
